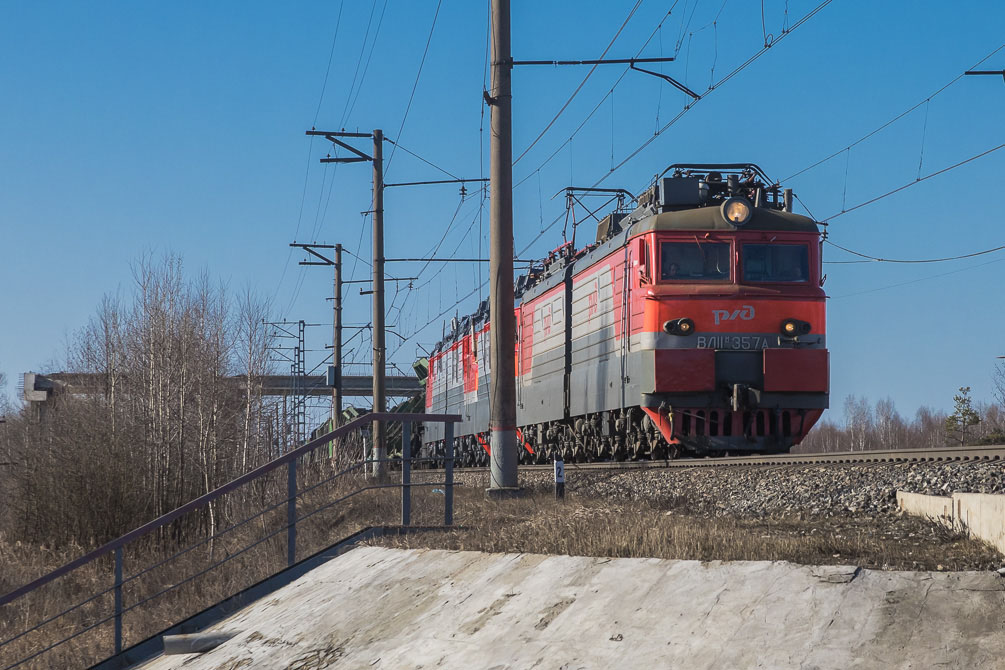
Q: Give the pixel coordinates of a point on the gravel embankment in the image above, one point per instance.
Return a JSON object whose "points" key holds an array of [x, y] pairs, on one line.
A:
{"points": [[772, 490]]}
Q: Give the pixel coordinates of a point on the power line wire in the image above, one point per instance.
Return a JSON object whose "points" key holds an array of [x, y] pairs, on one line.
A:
{"points": [[358, 258], [876, 259], [359, 61], [369, 56], [424, 160], [687, 107], [416, 84], [310, 150], [436, 248], [715, 86], [581, 84], [599, 104], [891, 121], [912, 183], [915, 281], [300, 215], [331, 56]]}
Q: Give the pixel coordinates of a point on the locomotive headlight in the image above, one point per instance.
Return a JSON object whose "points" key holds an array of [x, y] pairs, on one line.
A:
{"points": [[681, 327], [737, 211], [795, 327]]}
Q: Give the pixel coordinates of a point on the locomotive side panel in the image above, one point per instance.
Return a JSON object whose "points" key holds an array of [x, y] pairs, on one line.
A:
{"points": [[454, 396], [543, 389], [476, 412], [595, 378], [435, 397]]}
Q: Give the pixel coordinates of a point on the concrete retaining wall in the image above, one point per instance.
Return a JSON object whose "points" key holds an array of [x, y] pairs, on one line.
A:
{"points": [[980, 514], [983, 515], [936, 508]]}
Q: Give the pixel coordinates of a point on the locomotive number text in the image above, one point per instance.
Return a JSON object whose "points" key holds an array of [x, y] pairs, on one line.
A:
{"points": [[732, 342]]}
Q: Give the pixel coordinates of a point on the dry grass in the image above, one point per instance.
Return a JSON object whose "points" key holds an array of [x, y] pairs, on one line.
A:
{"points": [[588, 527]]}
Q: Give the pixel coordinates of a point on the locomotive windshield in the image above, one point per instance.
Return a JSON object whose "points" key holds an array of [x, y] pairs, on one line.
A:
{"points": [[776, 263], [692, 261]]}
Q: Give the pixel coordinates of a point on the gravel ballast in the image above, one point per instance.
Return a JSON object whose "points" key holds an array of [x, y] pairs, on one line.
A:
{"points": [[773, 490]]}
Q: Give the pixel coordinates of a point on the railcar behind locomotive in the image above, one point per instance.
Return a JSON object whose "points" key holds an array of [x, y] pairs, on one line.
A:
{"points": [[694, 325]]}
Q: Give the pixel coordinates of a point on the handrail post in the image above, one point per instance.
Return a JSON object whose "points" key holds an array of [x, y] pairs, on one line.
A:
{"points": [[118, 599], [291, 513], [406, 474], [448, 469]]}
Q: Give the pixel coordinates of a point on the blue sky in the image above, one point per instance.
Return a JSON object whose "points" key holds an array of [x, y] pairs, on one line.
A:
{"points": [[128, 128]]}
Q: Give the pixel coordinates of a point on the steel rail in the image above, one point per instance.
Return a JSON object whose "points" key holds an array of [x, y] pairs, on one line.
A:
{"points": [[944, 454]]}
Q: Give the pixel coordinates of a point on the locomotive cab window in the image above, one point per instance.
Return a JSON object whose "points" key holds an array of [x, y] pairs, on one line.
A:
{"points": [[776, 263], [694, 261]]}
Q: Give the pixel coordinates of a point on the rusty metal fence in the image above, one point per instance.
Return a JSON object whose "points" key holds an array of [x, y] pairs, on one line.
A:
{"points": [[147, 570]]}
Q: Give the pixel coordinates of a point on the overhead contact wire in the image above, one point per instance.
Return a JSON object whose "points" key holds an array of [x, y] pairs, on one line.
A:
{"points": [[581, 84], [415, 85], [913, 183], [687, 107], [599, 104], [898, 117], [712, 88], [877, 259], [310, 149]]}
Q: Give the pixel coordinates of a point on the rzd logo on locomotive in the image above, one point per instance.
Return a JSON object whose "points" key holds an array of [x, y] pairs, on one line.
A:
{"points": [[746, 313]]}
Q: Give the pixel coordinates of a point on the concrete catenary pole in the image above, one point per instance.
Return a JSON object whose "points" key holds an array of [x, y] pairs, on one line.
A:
{"points": [[337, 339], [379, 450], [502, 391]]}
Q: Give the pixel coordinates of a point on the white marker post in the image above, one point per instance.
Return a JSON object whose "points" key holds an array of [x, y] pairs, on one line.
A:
{"points": [[559, 479]]}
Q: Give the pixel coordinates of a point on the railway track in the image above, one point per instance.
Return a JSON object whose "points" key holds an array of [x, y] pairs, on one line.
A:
{"points": [[985, 453]]}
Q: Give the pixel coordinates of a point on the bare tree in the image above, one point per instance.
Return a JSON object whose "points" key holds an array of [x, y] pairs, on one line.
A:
{"points": [[889, 426], [169, 422], [858, 419], [5, 406], [253, 338], [882, 427]]}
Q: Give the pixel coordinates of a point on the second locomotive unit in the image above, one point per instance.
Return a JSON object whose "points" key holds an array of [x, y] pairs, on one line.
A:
{"points": [[694, 325]]}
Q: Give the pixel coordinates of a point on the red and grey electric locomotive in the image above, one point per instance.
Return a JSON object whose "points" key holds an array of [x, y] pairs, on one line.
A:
{"points": [[694, 325]]}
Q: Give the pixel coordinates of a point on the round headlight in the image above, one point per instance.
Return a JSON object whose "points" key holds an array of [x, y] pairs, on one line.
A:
{"points": [[795, 327], [679, 327], [737, 211]]}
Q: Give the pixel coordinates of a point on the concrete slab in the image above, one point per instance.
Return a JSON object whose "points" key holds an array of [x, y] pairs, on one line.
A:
{"points": [[389, 608]]}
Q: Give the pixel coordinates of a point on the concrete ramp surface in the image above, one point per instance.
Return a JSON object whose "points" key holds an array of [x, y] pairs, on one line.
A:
{"points": [[390, 608]]}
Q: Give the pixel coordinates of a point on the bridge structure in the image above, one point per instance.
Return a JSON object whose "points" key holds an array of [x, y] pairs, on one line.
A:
{"points": [[39, 389]]}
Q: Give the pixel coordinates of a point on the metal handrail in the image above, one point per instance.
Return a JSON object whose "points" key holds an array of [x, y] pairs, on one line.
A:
{"points": [[290, 459], [226, 488]]}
